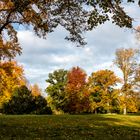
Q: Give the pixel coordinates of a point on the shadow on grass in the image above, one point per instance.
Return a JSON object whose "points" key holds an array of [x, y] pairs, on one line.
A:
{"points": [[75, 127]]}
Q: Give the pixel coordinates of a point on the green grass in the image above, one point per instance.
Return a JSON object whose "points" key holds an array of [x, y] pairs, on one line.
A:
{"points": [[70, 127]]}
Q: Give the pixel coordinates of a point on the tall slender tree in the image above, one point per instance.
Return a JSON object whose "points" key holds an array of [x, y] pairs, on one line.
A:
{"points": [[126, 61]]}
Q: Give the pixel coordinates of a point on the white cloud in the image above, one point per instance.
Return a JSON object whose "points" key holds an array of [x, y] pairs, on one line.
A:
{"points": [[41, 57]]}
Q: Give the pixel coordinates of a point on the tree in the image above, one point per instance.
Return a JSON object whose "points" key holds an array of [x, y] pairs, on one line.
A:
{"points": [[102, 93], [42, 16], [23, 102], [75, 90], [11, 76], [20, 103], [20, 12], [56, 89], [137, 78], [41, 106], [126, 61], [35, 90], [131, 101]]}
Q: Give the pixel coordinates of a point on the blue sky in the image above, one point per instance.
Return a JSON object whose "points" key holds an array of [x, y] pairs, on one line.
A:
{"points": [[41, 57]]}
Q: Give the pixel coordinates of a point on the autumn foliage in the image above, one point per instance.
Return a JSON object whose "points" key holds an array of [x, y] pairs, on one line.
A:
{"points": [[102, 91], [74, 88], [11, 76], [73, 91], [43, 16], [15, 97]]}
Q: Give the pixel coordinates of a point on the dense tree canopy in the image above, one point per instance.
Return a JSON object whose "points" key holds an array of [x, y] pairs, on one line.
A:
{"points": [[75, 90], [76, 80], [102, 91], [56, 89], [23, 102], [20, 103], [11, 76], [42, 16], [66, 90]]}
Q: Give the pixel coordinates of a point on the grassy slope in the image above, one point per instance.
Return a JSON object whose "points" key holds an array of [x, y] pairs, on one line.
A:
{"points": [[75, 127]]}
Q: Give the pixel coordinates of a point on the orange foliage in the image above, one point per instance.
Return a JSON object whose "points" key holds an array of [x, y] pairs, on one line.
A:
{"points": [[11, 76], [35, 90], [76, 79], [20, 12], [75, 90]]}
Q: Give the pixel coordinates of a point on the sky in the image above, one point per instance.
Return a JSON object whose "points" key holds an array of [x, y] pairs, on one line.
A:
{"points": [[42, 56]]}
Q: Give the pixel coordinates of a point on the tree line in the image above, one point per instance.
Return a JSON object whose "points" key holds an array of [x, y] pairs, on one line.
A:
{"points": [[73, 91]]}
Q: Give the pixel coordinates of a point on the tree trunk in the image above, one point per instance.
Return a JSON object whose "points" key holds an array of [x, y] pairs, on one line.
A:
{"points": [[108, 110], [95, 111], [124, 110]]}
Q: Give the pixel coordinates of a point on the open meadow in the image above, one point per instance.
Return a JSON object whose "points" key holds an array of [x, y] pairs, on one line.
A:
{"points": [[67, 127]]}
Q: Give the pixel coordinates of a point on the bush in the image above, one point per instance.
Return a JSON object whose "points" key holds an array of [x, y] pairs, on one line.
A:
{"points": [[40, 106], [23, 102]]}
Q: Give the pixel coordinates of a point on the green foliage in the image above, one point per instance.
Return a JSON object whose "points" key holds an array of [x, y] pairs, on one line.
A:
{"points": [[71, 92], [22, 102], [56, 89], [40, 106], [66, 91]]}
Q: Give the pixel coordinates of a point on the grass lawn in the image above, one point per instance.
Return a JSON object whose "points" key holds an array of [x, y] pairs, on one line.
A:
{"points": [[70, 127]]}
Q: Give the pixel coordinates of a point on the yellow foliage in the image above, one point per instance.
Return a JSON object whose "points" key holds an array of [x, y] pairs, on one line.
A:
{"points": [[36, 91], [11, 76], [5, 97]]}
